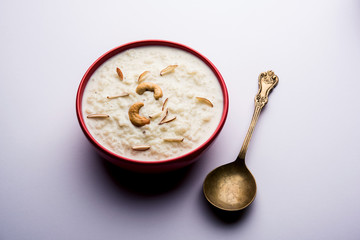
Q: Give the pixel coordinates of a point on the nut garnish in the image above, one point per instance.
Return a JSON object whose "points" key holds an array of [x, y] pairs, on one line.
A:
{"points": [[140, 147], [168, 69], [134, 116], [155, 115], [148, 86], [178, 139], [165, 115], [204, 100], [166, 121], [143, 76], [97, 116], [120, 74], [163, 106], [117, 96]]}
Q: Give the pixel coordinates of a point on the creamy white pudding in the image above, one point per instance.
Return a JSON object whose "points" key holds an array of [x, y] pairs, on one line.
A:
{"points": [[125, 112]]}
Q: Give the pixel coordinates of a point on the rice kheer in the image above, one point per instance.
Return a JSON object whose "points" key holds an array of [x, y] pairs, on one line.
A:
{"points": [[152, 103]]}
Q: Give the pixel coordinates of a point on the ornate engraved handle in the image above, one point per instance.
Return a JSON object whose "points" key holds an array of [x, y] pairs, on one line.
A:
{"points": [[267, 81]]}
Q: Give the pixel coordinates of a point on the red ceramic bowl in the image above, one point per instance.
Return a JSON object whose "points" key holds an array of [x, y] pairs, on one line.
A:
{"points": [[156, 165]]}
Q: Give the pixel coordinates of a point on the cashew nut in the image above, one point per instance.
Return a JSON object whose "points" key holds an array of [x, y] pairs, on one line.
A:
{"points": [[134, 116], [148, 86]]}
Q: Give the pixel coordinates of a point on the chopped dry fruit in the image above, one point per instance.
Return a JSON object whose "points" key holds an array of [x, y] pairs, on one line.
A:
{"points": [[143, 76], [165, 113], [140, 148], [120, 74], [148, 86], [174, 139], [155, 115], [134, 116], [164, 104], [204, 100], [98, 116], [117, 96], [166, 121], [168, 69]]}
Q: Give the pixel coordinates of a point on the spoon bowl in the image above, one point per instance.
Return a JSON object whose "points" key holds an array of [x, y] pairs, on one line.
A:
{"points": [[232, 187]]}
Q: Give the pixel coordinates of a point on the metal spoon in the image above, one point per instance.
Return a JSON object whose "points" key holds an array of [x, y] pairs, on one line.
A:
{"points": [[232, 187]]}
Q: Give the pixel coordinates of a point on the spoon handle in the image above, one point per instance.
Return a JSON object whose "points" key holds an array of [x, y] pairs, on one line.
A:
{"points": [[267, 81]]}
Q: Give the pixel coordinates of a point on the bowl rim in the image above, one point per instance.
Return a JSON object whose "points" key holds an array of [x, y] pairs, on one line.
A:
{"points": [[142, 43]]}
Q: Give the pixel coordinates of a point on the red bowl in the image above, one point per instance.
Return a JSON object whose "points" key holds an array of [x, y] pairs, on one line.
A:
{"points": [[148, 165]]}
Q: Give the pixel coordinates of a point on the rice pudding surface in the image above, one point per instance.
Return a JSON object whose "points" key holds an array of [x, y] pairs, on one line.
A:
{"points": [[190, 89]]}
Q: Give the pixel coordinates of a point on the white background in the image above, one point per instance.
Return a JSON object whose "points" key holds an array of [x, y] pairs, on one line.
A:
{"points": [[305, 151]]}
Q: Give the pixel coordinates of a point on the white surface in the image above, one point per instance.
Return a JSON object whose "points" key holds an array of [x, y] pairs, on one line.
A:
{"points": [[305, 151]]}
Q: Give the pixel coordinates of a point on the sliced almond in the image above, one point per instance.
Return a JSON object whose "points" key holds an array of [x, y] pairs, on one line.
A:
{"points": [[120, 74], [166, 121], [168, 69], [98, 116], [163, 106], [205, 100], [165, 113], [155, 115], [117, 96], [141, 147], [143, 76], [178, 139]]}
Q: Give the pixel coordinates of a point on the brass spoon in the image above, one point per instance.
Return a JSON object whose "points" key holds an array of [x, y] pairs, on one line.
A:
{"points": [[232, 187]]}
